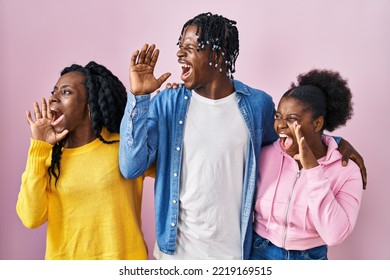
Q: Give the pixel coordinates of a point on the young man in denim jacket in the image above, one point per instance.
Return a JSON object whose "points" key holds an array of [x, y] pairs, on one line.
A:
{"points": [[205, 138]]}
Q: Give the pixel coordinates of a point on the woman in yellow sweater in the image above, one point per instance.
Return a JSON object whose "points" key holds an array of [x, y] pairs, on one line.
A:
{"points": [[72, 179]]}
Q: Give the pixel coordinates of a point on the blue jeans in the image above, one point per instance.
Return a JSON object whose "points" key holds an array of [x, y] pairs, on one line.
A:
{"points": [[263, 249]]}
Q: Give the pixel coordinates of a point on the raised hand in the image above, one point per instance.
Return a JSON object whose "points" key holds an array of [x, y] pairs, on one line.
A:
{"points": [[142, 79], [42, 127], [305, 156]]}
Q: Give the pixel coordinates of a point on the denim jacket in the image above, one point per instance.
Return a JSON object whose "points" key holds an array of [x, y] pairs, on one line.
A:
{"points": [[152, 130]]}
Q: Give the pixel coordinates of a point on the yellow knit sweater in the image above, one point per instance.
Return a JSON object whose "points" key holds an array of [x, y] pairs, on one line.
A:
{"points": [[93, 212]]}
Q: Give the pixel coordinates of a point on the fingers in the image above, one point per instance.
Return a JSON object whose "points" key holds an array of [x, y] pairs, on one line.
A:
{"points": [[298, 135], [173, 85], [300, 152], [305, 156], [176, 85], [37, 111], [49, 112], [297, 130], [141, 55], [345, 159], [151, 55], [62, 135], [346, 151], [29, 119], [163, 78], [147, 55], [44, 108], [134, 58]]}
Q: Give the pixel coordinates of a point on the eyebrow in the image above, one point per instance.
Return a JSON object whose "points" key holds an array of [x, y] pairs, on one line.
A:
{"points": [[64, 86], [187, 44], [288, 115]]}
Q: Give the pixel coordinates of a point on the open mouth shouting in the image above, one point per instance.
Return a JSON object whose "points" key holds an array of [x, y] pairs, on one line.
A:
{"points": [[186, 71], [57, 117], [285, 141]]}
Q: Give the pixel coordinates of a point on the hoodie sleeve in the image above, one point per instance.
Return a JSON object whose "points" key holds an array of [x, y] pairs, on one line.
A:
{"points": [[31, 205], [334, 212]]}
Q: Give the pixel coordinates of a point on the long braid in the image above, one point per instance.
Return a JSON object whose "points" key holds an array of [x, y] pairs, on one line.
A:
{"points": [[55, 167], [107, 101], [221, 35]]}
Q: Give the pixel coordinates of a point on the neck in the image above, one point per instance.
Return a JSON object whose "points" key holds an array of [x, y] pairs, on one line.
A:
{"points": [[78, 138], [319, 148], [217, 89]]}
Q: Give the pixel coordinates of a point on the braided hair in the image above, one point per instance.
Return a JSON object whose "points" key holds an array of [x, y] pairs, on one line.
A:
{"points": [[221, 35], [106, 99], [325, 93]]}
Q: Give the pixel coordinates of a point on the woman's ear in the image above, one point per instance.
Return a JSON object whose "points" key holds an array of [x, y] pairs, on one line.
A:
{"points": [[318, 124]]}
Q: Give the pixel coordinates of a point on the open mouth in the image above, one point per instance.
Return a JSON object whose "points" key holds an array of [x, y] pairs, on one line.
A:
{"points": [[285, 141], [186, 71], [57, 117]]}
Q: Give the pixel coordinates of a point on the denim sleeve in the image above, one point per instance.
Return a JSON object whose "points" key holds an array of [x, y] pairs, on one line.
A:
{"points": [[269, 135], [134, 152]]}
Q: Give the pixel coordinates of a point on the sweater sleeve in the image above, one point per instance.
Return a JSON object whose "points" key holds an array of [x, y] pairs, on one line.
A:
{"points": [[334, 214], [31, 206]]}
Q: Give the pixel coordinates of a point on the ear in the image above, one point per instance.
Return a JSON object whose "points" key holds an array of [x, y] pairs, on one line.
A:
{"points": [[318, 124]]}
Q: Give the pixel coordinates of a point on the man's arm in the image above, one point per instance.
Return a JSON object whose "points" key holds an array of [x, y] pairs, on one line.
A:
{"points": [[138, 145], [349, 152], [134, 155]]}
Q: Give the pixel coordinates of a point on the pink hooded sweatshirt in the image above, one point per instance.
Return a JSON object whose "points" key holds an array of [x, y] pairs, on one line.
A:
{"points": [[301, 209]]}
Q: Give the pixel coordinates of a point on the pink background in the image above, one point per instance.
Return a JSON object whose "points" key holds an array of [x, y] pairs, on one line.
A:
{"points": [[279, 39]]}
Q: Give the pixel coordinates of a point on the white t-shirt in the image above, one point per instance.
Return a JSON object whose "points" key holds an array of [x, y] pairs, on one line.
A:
{"points": [[214, 155]]}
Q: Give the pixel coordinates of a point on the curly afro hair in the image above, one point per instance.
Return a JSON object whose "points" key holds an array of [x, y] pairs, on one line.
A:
{"points": [[325, 93]]}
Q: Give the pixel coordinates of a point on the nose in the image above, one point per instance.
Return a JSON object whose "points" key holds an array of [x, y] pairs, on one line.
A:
{"points": [[53, 97], [180, 53], [281, 123]]}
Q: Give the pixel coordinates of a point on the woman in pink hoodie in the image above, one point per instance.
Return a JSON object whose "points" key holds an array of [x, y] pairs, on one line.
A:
{"points": [[306, 200]]}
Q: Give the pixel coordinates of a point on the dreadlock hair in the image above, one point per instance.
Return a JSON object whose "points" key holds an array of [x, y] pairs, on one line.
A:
{"points": [[325, 93], [221, 34], [106, 99]]}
